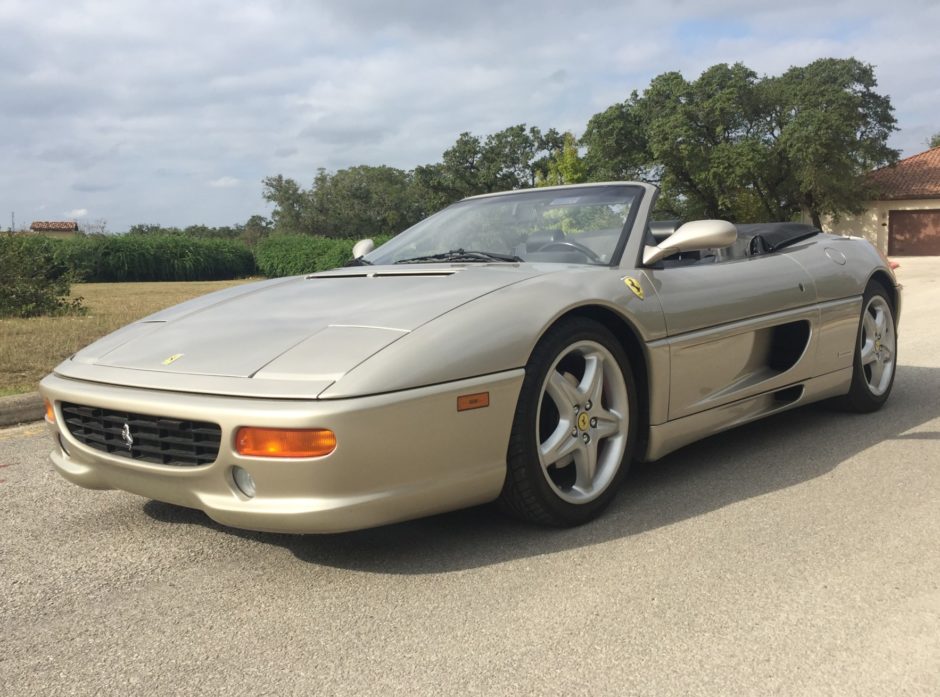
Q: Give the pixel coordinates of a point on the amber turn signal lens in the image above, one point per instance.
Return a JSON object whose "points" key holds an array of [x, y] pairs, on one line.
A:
{"points": [[50, 411], [284, 442], [473, 401]]}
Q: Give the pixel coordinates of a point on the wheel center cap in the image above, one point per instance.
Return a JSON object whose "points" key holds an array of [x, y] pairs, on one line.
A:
{"points": [[584, 421]]}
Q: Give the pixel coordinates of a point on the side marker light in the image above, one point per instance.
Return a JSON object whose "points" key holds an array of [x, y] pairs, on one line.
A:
{"points": [[473, 401]]}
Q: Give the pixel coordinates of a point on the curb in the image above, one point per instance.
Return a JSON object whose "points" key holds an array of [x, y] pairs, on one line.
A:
{"points": [[21, 408]]}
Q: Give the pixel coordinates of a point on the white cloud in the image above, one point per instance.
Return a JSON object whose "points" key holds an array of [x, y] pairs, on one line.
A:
{"points": [[76, 213], [224, 183], [139, 105]]}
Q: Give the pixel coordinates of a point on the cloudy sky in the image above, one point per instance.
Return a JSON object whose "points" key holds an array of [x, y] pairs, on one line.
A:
{"points": [[171, 112]]}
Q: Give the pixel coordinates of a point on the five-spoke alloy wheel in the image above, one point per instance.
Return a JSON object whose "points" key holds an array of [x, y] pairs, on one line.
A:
{"points": [[878, 345], [875, 353], [574, 428]]}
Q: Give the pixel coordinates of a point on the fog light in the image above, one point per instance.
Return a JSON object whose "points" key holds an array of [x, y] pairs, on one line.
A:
{"points": [[243, 481]]}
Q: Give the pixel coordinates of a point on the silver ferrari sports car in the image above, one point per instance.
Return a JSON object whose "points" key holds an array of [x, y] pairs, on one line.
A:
{"points": [[521, 347]]}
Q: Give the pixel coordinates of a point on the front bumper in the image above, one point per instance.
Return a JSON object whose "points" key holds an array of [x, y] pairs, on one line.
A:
{"points": [[399, 456]]}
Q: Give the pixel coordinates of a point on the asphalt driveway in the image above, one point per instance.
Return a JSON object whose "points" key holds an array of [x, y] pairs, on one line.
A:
{"points": [[799, 555]]}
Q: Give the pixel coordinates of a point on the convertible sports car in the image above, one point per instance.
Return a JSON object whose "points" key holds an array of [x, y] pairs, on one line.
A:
{"points": [[523, 347]]}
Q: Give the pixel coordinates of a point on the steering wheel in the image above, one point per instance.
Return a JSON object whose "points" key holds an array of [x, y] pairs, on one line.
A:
{"points": [[571, 245]]}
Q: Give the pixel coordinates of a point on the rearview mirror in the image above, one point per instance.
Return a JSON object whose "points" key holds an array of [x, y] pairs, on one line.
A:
{"points": [[362, 247], [699, 234]]}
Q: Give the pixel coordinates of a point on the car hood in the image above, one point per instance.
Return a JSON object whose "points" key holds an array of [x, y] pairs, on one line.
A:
{"points": [[313, 328]]}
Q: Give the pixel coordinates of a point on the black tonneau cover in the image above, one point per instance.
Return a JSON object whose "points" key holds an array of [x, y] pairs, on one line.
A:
{"points": [[769, 237]]}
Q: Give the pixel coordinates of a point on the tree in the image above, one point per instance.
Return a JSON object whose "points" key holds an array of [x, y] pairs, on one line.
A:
{"points": [[694, 139], [735, 146], [432, 191], [362, 201], [832, 128], [934, 140], [701, 134], [462, 168], [617, 148], [512, 158], [33, 281], [547, 147], [290, 205], [256, 228], [365, 201], [565, 166]]}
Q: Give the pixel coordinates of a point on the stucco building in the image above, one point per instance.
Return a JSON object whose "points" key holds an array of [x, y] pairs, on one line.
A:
{"points": [[904, 217], [55, 228]]}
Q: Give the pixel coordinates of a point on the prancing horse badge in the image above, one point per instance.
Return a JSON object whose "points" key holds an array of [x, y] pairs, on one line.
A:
{"points": [[634, 285], [126, 436]]}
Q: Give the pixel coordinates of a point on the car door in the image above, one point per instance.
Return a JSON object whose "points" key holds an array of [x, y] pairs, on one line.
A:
{"points": [[735, 328]]}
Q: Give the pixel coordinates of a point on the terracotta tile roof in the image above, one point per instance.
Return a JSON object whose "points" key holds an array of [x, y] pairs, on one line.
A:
{"points": [[54, 226], [917, 176]]}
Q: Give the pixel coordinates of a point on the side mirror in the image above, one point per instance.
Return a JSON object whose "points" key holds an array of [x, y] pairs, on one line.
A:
{"points": [[362, 247], [699, 234]]}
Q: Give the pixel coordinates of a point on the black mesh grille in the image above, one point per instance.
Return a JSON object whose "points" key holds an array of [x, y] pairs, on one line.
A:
{"points": [[156, 439]]}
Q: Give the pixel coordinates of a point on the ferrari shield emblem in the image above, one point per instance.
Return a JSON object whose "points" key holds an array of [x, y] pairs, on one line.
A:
{"points": [[583, 421], [634, 285], [174, 357]]}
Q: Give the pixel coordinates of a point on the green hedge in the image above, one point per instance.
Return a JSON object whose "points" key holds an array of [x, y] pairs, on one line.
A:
{"points": [[36, 271], [292, 255], [32, 282], [119, 258]]}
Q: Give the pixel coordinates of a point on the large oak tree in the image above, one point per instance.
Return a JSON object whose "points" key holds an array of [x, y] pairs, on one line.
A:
{"points": [[732, 145]]}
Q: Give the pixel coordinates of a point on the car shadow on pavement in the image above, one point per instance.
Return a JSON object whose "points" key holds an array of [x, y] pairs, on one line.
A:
{"points": [[740, 464]]}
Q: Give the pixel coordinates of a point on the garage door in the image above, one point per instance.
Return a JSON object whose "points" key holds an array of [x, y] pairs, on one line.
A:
{"points": [[914, 233]]}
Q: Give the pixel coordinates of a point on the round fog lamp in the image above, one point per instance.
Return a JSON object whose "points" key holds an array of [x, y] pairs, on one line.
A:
{"points": [[243, 481]]}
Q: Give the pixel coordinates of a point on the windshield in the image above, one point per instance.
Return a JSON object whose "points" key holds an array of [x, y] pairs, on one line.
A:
{"points": [[580, 225]]}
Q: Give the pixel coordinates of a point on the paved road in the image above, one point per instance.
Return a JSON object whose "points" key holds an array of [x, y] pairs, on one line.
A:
{"points": [[795, 556]]}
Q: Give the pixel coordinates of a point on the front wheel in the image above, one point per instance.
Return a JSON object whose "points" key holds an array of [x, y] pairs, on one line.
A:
{"points": [[574, 429]]}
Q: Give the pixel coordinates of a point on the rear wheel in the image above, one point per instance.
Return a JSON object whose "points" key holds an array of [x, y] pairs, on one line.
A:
{"points": [[875, 353], [574, 428]]}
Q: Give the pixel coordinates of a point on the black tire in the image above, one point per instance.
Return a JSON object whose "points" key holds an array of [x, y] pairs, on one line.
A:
{"points": [[868, 394], [563, 363]]}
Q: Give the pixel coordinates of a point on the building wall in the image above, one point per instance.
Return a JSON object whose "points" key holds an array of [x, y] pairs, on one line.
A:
{"points": [[873, 223], [58, 234]]}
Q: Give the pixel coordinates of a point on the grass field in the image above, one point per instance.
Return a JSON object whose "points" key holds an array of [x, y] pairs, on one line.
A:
{"points": [[31, 348]]}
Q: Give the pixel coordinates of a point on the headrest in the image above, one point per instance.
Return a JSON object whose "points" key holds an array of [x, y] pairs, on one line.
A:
{"points": [[540, 238]]}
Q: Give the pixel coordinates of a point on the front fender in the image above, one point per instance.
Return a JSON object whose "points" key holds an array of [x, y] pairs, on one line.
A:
{"points": [[498, 331]]}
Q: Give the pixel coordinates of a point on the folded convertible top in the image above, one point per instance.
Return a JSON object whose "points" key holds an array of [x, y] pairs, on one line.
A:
{"points": [[769, 237]]}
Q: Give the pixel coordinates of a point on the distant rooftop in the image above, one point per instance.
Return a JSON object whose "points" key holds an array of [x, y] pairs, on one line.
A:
{"points": [[54, 226], [917, 176]]}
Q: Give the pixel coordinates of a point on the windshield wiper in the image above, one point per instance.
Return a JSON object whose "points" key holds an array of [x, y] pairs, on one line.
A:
{"points": [[360, 261], [460, 255]]}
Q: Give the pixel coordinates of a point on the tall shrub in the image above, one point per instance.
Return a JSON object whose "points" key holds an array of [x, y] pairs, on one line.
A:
{"points": [[292, 255], [155, 258], [32, 282]]}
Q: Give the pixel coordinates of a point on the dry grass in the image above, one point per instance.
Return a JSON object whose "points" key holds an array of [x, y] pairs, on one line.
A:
{"points": [[31, 348]]}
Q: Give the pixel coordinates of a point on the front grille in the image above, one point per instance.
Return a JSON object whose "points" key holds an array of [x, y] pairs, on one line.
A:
{"points": [[156, 439]]}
